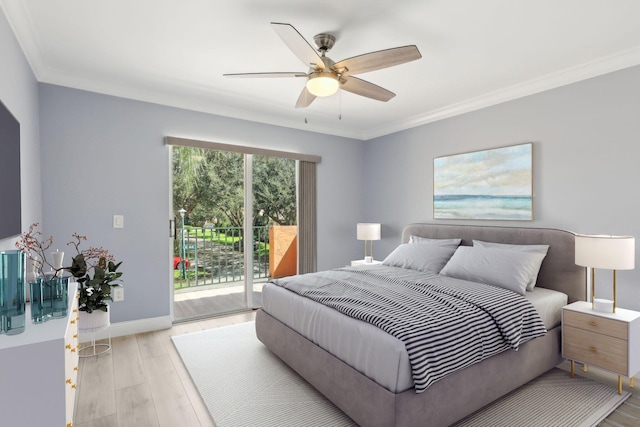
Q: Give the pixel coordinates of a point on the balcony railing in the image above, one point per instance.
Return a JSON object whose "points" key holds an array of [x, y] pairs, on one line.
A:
{"points": [[215, 255]]}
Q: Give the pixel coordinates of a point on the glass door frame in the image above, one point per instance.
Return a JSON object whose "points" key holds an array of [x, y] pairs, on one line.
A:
{"points": [[248, 231], [248, 240]]}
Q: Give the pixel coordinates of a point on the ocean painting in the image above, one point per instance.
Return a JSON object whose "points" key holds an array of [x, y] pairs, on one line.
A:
{"points": [[491, 184]]}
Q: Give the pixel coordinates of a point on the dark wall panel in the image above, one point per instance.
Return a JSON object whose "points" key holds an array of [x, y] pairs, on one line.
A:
{"points": [[10, 201]]}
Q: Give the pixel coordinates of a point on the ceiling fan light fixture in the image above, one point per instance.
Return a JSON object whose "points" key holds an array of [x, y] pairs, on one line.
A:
{"points": [[322, 83]]}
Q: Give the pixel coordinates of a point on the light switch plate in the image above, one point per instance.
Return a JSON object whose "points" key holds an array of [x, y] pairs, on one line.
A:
{"points": [[118, 221]]}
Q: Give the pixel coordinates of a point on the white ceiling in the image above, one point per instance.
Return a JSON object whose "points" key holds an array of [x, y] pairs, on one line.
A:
{"points": [[474, 53]]}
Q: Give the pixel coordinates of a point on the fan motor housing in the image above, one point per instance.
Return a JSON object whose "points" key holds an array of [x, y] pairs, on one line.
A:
{"points": [[324, 42]]}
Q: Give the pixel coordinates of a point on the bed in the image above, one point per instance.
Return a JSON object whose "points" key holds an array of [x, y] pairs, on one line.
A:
{"points": [[374, 396]]}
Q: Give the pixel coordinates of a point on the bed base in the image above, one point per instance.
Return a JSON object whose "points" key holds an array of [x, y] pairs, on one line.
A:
{"points": [[461, 393], [442, 404]]}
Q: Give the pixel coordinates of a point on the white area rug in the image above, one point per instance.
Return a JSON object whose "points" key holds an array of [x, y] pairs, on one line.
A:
{"points": [[551, 400], [244, 384]]}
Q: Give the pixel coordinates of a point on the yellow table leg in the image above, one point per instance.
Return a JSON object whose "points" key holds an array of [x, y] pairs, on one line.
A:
{"points": [[619, 384], [573, 368]]}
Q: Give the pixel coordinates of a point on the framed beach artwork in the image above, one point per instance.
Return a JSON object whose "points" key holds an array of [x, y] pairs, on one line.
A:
{"points": [[494, 184]]}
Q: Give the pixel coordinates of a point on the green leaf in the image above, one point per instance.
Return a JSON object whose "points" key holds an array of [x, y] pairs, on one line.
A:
{"points": [[78, 266]]}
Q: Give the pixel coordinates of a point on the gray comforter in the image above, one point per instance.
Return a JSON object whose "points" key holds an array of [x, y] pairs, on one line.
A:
{"points": [[446, 324]]}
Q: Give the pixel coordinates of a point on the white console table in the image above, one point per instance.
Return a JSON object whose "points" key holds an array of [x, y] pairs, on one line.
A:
{"points": [[39, 371]]}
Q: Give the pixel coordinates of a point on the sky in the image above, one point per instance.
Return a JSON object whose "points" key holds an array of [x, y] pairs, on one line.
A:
{"points": [[505, 171]]}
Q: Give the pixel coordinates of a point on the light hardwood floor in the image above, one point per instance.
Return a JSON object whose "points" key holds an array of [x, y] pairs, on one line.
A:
{"points": [[143, 382]]}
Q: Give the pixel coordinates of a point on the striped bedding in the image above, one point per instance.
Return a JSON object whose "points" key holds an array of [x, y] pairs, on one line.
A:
{"points": [[446, 324]]}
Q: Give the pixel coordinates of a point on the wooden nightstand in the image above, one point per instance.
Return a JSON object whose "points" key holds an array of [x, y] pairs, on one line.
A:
{"points": [[606, 340], [362, 262]]}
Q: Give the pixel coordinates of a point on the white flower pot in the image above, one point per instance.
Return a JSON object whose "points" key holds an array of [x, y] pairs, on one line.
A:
{"points": [[97, 319]]}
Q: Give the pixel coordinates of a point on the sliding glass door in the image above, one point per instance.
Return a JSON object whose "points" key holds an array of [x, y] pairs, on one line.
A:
{"points": [[230, 209]]}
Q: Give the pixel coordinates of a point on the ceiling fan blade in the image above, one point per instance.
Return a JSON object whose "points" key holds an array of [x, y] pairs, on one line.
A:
{"points": [[305, 99], [377, 60], [298, 45], [364, 88], [251, 75]]}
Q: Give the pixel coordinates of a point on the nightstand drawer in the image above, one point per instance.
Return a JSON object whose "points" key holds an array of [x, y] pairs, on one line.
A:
{"points": [[597, 324], [595, 349]]}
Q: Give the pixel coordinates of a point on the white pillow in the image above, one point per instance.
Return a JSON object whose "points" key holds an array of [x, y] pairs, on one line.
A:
{"points": [[507, 269], [538, 249], [427, 258], [454, 243]]}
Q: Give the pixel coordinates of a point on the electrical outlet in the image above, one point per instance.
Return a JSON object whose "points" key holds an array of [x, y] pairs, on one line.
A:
{"points": [[117, 293]]}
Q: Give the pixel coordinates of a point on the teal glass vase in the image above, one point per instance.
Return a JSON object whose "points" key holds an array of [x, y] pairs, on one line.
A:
{"points": [[49, 298], [12, 292]]}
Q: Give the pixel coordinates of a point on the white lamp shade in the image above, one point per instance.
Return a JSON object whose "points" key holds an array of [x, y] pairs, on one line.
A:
{"points": [[368, 231], [606, 252], [322, 83]]}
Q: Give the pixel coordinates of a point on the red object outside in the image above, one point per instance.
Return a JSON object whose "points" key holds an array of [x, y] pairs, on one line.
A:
{"points": [[177, 261]]}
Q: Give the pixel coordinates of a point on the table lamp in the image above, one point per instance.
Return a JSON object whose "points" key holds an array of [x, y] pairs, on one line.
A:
{"points": [[368, 232], [606, 252]]}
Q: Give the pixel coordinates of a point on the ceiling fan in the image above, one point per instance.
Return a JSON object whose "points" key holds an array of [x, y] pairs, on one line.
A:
{"points": [[325, 76]]}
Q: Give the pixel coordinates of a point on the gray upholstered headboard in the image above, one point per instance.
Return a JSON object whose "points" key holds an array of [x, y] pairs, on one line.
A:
{"points": [[558, 270]]}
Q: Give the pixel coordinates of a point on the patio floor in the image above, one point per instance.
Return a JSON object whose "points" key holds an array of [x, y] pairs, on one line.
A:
{"points": [[212, 300]]}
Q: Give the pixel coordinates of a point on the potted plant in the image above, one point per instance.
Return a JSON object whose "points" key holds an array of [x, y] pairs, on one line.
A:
{"points": [[93, 292], [94, 269]]}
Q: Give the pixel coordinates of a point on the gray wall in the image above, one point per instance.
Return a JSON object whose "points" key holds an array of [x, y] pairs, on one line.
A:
{"points": [[586, 148], [104, 155], [19, 92]]}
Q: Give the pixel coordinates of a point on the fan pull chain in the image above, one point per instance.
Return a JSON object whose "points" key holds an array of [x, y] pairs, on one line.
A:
{"points": [[340, 105]]}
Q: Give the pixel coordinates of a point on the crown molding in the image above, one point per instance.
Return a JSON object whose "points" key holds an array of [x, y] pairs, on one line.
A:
{"points": [[601, 66], [605, 65], [20, 23]]}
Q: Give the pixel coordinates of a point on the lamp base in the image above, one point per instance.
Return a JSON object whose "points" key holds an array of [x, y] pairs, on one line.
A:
{"points": [[368, 259], [603, 305]]}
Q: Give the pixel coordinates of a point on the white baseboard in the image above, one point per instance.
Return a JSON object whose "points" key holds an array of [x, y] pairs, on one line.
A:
{"points": [[132, 327]]}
